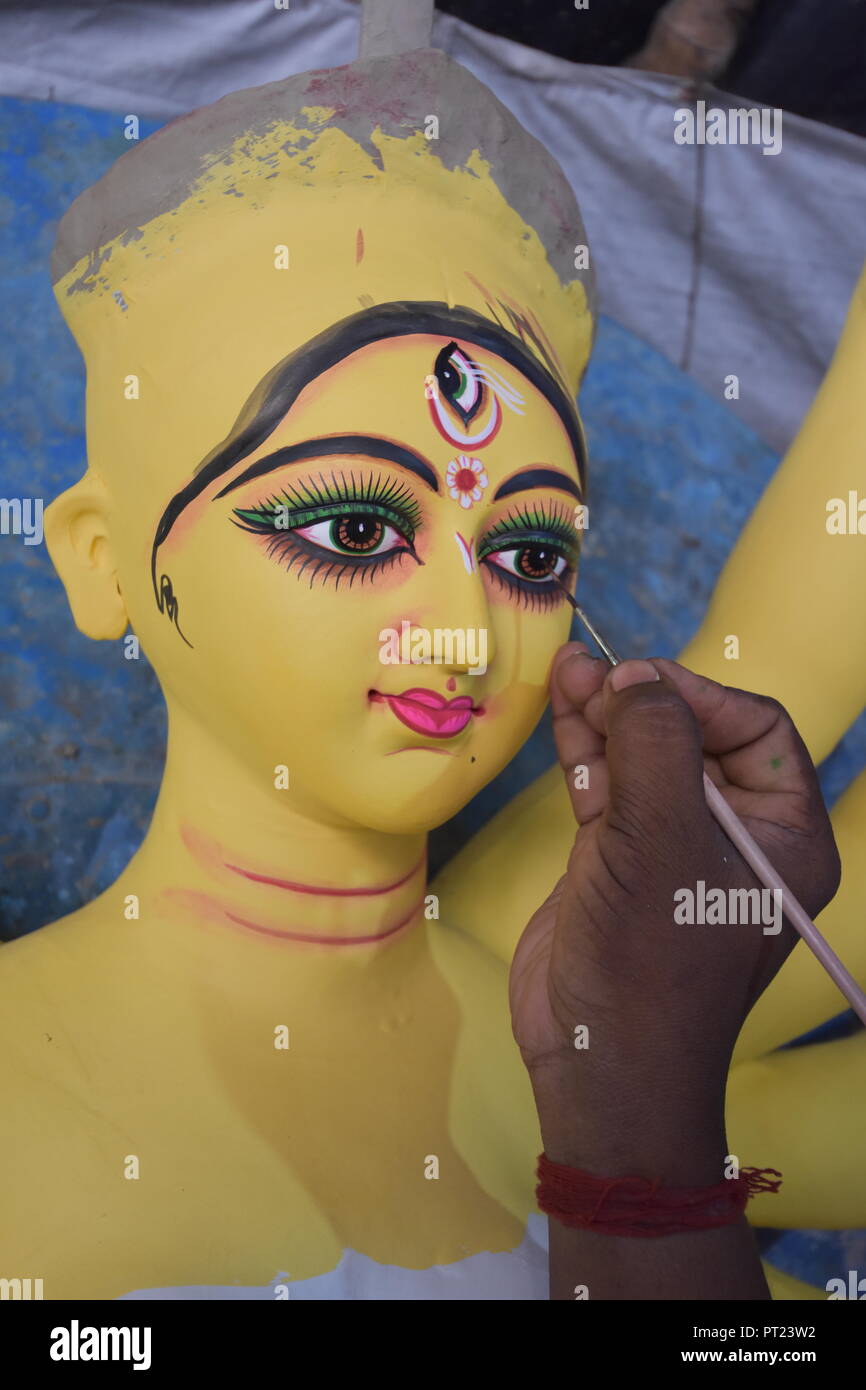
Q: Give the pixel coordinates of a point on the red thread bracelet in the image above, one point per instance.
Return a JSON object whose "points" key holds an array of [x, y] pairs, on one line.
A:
{"points": [[632, 1206]]}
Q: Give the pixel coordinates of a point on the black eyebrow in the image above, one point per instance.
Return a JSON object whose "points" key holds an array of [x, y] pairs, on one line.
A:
{"points": [[538, 477], [361, 445]]}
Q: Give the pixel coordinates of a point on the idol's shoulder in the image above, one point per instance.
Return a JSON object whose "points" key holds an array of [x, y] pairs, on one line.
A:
{"points": [[48, 974], [38, 975]]}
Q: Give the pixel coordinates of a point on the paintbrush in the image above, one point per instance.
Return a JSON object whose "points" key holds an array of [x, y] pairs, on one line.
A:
{"points": [[754, 855]]}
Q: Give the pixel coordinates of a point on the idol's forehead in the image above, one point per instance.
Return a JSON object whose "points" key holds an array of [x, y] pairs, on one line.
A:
{"points": [[245, 256], [393, 384], [405, 360], [191, 310], [477, 420], [421, 404]]}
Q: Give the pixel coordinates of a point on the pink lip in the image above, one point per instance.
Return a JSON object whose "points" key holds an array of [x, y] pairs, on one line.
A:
{"points": [[428, 712]]}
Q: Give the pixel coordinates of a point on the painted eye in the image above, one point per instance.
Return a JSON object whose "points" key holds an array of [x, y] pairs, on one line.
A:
{"points": [[459, 382], [534, 563], [356, 533]]}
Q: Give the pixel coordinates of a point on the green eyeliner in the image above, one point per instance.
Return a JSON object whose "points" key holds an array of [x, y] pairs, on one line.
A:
{"points": [[325, 499]]}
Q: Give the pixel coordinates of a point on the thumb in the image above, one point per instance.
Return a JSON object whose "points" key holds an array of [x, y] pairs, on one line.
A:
{"points": [[654, 749]]}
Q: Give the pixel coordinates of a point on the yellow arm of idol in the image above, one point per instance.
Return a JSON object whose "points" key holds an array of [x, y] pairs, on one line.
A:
{"points": [[794, 596], [785, 1288], [800, 1111], [792, 591], [802, 994]]}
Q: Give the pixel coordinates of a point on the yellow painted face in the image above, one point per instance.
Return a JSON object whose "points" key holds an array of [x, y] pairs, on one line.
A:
{"points": [[357, 583], [369, 595]]}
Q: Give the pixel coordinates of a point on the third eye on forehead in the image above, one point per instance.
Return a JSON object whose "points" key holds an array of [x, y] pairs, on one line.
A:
{"points": [[467, 398], [465, 387]]}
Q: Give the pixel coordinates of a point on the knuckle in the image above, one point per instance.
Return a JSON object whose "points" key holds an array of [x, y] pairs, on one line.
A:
{"points": [[662, 708], [775, 708]]}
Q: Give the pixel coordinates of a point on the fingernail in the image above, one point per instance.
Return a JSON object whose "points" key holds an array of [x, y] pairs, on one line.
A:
{"points": [[632, 673]]}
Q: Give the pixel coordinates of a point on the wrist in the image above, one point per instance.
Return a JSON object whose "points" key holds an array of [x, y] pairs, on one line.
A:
{"points": [[678, 1138]]}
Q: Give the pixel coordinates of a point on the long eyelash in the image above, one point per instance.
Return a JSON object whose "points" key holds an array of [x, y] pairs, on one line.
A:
{"points": [[535, 597], [283, 546], [386, 497], [532, 527], [381, 491], [532, 524], [536, 518]]}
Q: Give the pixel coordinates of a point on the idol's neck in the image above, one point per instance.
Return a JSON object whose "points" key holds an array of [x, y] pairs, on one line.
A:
{"points": [[232, 851]]}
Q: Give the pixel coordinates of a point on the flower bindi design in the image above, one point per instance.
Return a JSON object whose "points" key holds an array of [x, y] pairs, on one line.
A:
{"points": [[466, 480]]}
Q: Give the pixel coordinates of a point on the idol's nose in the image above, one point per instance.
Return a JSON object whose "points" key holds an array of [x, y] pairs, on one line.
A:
{"points": [[460, 607]]}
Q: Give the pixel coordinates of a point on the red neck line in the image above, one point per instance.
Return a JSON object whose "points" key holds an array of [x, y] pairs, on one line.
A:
{"points": [[319, 892], [313, 939]]}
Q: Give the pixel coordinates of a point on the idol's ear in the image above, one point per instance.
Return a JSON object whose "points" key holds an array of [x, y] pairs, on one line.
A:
{"points": [[77, 536]]}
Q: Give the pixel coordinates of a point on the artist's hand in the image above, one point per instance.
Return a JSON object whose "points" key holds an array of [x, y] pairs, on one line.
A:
{"points": [[661, 1001]]}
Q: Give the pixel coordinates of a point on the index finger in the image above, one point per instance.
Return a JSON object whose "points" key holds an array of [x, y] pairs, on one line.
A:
{"points": [[579, 747]]}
